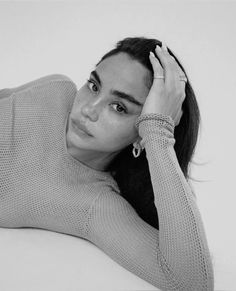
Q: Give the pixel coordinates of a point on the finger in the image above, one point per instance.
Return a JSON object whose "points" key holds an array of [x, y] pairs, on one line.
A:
{"points": [[166, 62], [175, 73], [182, 75], [169, 59], [173, 79], [181, 72], [157, 68]]}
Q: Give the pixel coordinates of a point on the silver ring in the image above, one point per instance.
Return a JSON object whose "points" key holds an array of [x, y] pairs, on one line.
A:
{"points": [[159, 77], [181, 78]]}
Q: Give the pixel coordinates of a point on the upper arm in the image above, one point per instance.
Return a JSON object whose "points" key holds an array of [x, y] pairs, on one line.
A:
{"points": [[7, 92], [115, 227]]}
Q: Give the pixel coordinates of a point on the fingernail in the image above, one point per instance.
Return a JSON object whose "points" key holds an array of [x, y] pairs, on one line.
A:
{"points": [[164, 47], [152, 54], [158, 48]]}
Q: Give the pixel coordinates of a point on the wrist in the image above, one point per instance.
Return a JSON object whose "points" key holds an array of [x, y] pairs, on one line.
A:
{"points": [[160, 120]]}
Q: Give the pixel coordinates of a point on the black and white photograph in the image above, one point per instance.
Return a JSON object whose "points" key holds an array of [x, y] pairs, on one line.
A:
{"points": [[117, 146]]}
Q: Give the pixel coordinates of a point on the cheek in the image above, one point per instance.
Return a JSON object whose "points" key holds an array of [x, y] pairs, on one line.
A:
{"points": [[119, 134], [80, 97]]}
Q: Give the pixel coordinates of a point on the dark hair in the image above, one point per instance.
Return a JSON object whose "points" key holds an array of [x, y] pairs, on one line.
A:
{"points": [[132, 174]]}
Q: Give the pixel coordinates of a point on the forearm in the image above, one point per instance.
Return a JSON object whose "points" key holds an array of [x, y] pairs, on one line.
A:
{"points": [[183, 248]]}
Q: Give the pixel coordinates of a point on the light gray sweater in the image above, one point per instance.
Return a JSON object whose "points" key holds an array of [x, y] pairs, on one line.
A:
{"points": [[42, 186]]}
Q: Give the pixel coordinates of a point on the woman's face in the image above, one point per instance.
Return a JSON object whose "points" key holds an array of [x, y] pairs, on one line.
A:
{"points": [[108, 105]]}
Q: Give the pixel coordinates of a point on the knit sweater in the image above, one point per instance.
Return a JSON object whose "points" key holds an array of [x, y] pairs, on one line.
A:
{"points": [[43, 186]]}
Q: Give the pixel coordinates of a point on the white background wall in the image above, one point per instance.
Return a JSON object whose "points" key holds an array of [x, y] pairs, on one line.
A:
{"points": [[41, 37]]}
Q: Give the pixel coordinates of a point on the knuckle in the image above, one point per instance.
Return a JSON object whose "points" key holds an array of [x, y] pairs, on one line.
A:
{"points": [[170, 61], [157, 65], [181, 72], [176, 89], [165, 58], [171, 91], [179, 93]]}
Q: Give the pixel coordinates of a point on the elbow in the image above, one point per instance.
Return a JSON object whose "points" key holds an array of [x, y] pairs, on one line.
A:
{"points": [[201, 279], [197, 277], [192, 284]]}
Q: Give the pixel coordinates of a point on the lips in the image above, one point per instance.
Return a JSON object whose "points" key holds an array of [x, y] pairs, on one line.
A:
{"points": [[81, 127]]}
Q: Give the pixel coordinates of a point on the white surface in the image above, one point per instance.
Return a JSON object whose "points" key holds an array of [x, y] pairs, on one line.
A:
{"points": [[40, 260], [41, 38]]}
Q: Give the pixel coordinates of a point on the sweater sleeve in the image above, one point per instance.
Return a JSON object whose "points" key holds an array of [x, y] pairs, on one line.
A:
{"points": [[175, 257]]}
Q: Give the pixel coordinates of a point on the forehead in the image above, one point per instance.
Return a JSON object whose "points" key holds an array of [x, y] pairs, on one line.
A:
{"points": [[120, 72]]}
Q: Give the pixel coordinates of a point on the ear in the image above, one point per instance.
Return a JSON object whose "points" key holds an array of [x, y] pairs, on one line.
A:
{"points": [[137, 141]]}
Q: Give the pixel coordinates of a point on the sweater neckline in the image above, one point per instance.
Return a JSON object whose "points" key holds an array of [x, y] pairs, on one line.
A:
{"points": [[74, 161]]}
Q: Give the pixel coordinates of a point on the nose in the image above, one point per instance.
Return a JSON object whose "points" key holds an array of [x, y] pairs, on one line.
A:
{"points": [[89, 110]]}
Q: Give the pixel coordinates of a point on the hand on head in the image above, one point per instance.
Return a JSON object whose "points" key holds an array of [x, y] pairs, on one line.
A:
{"points": [[168, 89]]}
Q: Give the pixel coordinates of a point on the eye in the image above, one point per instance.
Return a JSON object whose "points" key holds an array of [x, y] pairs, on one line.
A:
{"points": [[92, 85], [119, 108]]}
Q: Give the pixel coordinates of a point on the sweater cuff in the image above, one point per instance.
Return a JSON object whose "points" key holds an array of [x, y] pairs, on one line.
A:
{"points": [[157, 124]]}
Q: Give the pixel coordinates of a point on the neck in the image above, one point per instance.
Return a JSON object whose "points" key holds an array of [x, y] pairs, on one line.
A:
{"points": [[95, 160]]}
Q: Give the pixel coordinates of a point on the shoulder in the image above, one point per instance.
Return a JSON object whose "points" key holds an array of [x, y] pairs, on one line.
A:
{"points": [[54, 80], [46, 81], [54, 92]]}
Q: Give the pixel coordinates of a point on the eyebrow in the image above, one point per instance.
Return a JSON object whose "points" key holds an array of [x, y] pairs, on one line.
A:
{"points": [[117, 93]]}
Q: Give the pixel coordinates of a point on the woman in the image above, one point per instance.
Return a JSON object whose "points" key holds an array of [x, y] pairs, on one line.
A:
{"points": [[105, 163]]}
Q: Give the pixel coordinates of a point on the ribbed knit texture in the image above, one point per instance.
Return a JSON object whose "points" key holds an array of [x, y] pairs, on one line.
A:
{"points": [[42, 186]]}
